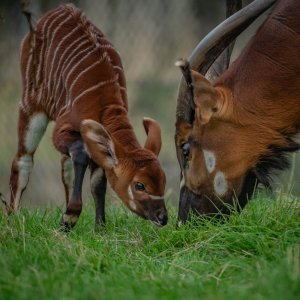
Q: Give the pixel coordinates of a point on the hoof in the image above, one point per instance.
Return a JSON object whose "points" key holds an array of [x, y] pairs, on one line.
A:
{"points": [[67, 222]]}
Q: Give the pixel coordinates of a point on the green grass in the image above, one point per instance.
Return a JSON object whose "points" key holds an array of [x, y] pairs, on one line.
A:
{"points": [[253, 255]]}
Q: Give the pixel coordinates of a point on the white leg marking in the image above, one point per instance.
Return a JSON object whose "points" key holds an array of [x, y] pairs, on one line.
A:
{"points": [[220, 184], [70, 219], [210, 160], [25, 164], [68, 173], [96, 177], [35, 131]]}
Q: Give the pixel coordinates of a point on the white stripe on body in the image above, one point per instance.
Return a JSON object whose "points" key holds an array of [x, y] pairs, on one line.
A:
{"points": [[48, 62], [102, 58], [26, 85], [43, 52], [57, 48], [66, 68], [94, 87], [67, 63], [63, 59]]}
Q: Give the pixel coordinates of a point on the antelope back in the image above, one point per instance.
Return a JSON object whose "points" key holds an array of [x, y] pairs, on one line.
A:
{"points": [[72, 58]]}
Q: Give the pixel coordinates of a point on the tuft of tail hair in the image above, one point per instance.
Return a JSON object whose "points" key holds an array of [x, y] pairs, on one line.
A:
{"points": [[184, 66]]}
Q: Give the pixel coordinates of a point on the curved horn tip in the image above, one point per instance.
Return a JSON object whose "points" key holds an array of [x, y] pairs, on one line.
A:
{"points": [[181, 62]]}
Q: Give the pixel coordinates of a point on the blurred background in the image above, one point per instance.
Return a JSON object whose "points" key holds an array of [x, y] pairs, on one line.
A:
{"points": [[149, 35]]}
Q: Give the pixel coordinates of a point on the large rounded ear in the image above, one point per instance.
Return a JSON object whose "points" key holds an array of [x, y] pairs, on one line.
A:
{"points": [[208, 100], [153, 141], [98, 143]]}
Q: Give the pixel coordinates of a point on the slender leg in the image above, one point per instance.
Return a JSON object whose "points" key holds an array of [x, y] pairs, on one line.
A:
{"points": [[30, 131], [80, 161], [67, 175], [184, 207], [98, 188]]}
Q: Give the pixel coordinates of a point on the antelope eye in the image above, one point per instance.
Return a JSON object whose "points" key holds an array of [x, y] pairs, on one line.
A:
{"points": [[186, 150], [139, 186]]}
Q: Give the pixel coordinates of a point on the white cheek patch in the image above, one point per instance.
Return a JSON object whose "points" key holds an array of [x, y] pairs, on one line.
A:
{"points": [[210, 160], [220, 184], [132, 205], [35, 131]]}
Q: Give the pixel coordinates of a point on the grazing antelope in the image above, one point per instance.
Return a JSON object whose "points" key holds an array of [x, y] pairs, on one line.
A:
{"points": [[80, 85], [232, 132]]}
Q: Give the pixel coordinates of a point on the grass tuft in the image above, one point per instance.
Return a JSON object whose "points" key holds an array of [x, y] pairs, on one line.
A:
{"points": [[251, 255]]}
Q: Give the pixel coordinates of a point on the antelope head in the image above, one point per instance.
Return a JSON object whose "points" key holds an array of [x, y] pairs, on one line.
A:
{"points": [[135, 175], [213, 170]]}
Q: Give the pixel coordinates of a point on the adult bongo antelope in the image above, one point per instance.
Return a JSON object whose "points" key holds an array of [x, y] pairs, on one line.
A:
{"points": [[232, 132], [80, 85]]}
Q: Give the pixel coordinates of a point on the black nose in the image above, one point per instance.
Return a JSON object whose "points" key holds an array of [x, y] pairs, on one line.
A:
{"points": [[162, 218]]}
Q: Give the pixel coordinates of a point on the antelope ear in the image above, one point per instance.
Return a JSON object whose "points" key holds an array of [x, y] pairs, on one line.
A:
{"points": [[207, 99], [153, 141], [99, 143], [183, 131]]}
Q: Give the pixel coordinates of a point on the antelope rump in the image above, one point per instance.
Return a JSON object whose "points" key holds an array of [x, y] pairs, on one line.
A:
{"points": [[73, 75], [232, 130]]}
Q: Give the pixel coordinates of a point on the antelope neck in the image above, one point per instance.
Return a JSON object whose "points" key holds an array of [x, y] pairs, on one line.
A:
{"points": [[115, 120]]}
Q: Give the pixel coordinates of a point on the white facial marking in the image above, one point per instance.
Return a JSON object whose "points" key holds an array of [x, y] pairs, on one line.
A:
{"points": [[130, 193], [153, 197], [132, 205], [220, 184], [35, 131], [96, 177], [210, 160]]}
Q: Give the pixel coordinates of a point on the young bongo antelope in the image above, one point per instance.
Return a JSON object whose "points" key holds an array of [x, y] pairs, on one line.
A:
{"points": [[81, 86]]}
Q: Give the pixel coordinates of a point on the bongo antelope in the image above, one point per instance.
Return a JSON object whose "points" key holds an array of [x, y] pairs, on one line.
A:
{"points": [[233, 130], [80, 85]]}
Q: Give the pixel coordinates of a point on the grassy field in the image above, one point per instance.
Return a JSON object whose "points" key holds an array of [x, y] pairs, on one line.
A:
{"points": [[253, 255]]}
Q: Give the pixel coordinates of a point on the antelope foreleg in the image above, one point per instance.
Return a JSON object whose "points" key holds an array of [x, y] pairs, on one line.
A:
{"points": [[80, 161], [98, 188]]}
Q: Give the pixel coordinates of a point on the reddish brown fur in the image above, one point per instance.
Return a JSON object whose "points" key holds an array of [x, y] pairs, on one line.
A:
{"points": [[249, 116], [84, 81]]}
